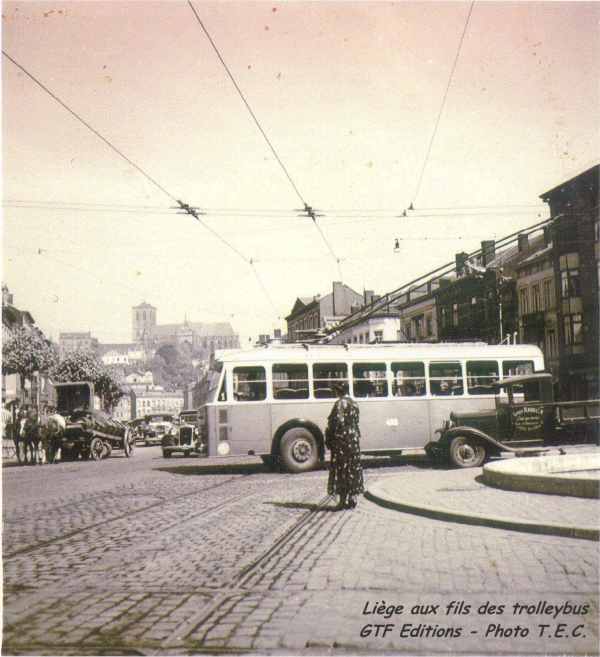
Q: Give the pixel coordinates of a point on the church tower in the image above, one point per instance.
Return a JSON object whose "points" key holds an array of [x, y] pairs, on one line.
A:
{"points": [[143, 322]]}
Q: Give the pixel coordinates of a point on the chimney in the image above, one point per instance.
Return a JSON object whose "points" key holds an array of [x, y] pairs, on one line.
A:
{"points": [[523, 242], [368, 297], [547, 235], [488, 252], [460, 259], [338, 298]]}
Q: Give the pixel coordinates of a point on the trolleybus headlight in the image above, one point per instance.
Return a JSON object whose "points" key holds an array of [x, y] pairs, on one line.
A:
{"points": [[223, 449]]}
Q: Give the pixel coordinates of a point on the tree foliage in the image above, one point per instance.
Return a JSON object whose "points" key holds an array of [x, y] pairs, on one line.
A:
{"points": [[172, 367], [86, 366], [28, 352]]}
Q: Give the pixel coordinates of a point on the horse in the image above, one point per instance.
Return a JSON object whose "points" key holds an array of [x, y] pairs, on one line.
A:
{"points": [[52, 430], [30, 436], [41, 437]]}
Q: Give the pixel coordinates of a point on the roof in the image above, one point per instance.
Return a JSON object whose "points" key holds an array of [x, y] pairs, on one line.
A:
{"points": [[591, 172], [198, 328], [443, 351], [535, 255], [512, 257], [537, 376]]}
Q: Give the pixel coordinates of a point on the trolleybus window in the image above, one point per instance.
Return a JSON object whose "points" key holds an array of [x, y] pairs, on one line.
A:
{"points": [[409, 380], [370, 380], [445, 379], [481, 375], [290, 381], [516, 368], [324, 374], [249, 383]]}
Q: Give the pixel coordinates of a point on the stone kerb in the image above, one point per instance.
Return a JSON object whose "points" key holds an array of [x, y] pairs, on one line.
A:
{"points": [[565, 474]]}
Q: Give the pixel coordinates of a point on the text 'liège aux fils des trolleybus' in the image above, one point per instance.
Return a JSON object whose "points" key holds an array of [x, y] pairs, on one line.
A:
{"points": [[273, 402]]}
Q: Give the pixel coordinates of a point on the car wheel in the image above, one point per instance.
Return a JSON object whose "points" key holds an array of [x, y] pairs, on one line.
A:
{"points": [[298, 450], [96, 449], [466, 452], [166, 455]]}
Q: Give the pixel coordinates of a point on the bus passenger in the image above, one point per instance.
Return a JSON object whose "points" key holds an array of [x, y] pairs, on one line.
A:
{"points": [[343, 440]]}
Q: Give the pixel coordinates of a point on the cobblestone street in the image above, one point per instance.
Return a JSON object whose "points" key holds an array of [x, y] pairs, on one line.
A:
{"points": [[147, 556]]}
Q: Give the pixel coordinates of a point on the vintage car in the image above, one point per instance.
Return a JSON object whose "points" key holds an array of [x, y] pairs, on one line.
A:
{"points": [[90, 433], [157, 425], [187, 440], [525, 421]]}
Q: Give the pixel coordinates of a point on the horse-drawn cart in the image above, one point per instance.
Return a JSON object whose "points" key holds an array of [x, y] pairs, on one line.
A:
{"points": [[90, 433]]}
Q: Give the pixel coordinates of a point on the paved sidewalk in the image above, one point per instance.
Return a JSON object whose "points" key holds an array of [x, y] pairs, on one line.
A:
{"points": [[461, 496]]}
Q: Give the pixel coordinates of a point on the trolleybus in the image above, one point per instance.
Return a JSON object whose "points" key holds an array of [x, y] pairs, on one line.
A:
{"points": [[273, 402]]}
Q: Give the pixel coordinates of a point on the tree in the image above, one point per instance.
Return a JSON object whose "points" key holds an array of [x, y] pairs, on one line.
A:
{"points": [[28, 353], [78, 366], [86, 366], [108, 388]]}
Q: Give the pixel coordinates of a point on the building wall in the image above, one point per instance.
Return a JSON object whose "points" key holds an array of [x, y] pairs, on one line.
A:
{"points": [[419, 321], [157, 402], [536, 297], [469, 309], [373, 329], [576, 235], [123, 410], [78, 342]]}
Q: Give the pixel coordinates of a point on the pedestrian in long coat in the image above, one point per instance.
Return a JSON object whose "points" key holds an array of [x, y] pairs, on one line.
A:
{"points": [[343, 440]]}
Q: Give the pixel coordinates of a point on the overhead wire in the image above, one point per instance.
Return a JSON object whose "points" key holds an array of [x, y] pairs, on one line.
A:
{"points": [[190, 210], [88, 126], [443, 104], [307, 208]]}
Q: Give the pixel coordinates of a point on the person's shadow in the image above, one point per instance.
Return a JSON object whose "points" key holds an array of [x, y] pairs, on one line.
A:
{"points": [[309, 506]]}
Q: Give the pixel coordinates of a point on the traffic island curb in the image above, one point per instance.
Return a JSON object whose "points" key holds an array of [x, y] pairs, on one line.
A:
{"points": [[378, 495]]}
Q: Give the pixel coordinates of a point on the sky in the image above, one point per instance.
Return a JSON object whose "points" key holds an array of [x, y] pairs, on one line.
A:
{"points": [[349, 95]]}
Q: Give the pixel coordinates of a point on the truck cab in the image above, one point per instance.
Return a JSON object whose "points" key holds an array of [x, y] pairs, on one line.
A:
{"points": [[524, 418]]}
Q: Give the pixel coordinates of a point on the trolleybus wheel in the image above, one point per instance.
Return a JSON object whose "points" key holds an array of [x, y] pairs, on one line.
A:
{"points": [[166, 454], [298, 450], [96, 449], [465, 452]]}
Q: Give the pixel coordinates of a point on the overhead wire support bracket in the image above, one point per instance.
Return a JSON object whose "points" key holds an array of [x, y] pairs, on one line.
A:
{"points": [[189, 209]]}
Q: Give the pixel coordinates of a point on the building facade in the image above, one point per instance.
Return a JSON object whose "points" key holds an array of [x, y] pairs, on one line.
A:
{"points": [[310, 314], [199, 336], [123, 410], [14, 320], [575, 234], [537, 308], [78, 341], [155, 401], [382, 326]]}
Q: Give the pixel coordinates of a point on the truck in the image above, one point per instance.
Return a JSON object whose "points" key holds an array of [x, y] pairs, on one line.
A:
{"points": [[89, 432], [526, 421]]}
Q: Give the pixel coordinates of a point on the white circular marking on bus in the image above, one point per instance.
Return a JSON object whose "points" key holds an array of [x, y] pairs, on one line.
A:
{"points": [[223, 449]]}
